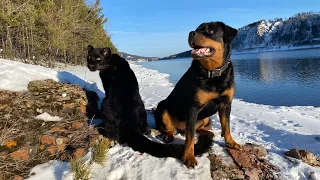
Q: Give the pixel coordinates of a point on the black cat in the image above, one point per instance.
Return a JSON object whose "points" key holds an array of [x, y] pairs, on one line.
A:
{"points": [[123, 111]]}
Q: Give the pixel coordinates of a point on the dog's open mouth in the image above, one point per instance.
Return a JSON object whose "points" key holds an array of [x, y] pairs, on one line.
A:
{"points": [[202, 51]]}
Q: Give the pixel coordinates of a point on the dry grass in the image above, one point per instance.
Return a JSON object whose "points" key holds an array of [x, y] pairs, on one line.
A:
{"points": [[80, 169], [99, 150]]}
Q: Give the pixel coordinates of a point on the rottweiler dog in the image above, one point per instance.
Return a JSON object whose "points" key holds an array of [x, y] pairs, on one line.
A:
{"points": [[123, 111], [206, 88]]}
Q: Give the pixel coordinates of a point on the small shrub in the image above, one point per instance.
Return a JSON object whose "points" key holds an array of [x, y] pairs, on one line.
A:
{"points": [[80, 169], [99, 150]]}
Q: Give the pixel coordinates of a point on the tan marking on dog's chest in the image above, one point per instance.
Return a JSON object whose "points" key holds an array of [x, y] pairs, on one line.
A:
{"points": [[204, 96]]}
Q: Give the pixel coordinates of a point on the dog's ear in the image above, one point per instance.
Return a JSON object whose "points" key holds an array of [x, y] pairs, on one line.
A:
{"points": [[90, 48], [228, 32], [106, 52]]}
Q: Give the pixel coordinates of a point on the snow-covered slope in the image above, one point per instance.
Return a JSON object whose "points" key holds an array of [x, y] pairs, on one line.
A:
{"points": [[302, 29], [276, 128]]}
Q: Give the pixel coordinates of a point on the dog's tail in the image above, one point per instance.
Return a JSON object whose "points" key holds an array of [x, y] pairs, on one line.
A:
{"points": [[139, 142]]}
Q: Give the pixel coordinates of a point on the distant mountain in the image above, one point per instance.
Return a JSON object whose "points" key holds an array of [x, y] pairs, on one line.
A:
{"points": [[185, 54], [303, 29], [131, 57], [299, 31]]}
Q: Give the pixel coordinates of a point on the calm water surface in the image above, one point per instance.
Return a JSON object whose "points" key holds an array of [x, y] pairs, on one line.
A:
{"points": [[288, 78]]}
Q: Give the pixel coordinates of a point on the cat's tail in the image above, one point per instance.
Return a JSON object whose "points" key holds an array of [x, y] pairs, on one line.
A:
{"points": [[139, 142]]}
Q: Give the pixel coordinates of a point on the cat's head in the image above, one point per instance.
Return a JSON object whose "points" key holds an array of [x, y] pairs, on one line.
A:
{"points": [[98, 58]]}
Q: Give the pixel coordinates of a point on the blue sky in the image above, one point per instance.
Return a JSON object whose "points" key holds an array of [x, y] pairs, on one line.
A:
{"points": [[161, 28]]}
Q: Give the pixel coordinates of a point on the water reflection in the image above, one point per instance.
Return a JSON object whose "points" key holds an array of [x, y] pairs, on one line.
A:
{"points": [[303, 70]]}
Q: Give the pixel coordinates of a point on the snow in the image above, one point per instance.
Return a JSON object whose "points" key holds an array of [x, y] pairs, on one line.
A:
{"points": [[47, 117], [52, 170], [276, 128]]}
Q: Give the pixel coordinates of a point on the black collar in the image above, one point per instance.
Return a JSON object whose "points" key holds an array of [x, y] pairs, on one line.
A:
{"points": [[215, 72]]}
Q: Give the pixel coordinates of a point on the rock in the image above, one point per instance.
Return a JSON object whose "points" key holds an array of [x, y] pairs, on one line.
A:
{"points": [[253, 174], [249, 163], [304, 155], [80, 152], [51, 150], [76, 125], [10, 144], [22, 154], [241, 158], [48, 140], [17, 177]]}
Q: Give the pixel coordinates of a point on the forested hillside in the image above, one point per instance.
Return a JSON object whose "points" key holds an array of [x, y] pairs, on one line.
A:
{"points": [[51, 31]]}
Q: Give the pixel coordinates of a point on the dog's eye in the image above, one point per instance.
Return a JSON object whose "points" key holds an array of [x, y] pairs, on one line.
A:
{"points": [[98, 59], [210, 31]]}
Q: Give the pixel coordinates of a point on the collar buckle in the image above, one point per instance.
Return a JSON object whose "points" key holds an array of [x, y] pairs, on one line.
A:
{"points": [[217, 72]]}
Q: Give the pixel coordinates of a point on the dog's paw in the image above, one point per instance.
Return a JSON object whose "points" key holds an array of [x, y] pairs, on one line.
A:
{"points": [[189, 161], [168, 138], [235, 145]]}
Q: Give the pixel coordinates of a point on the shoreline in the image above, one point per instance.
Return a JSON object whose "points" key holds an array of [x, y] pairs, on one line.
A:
{"points": [[258, 50], [281, 49]]}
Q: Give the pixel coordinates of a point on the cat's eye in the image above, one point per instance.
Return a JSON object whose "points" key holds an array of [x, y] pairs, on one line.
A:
{"points": [[98, 59]]}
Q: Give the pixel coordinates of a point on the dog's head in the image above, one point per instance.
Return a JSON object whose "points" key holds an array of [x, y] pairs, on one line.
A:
{"points": [[212, 42], [98, 58]]}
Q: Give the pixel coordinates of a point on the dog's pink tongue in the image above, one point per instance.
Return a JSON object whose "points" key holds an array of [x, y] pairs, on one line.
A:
{"points": [[200, 51]]}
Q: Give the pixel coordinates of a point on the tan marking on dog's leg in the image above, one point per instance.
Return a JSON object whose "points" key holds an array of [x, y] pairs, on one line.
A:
{"points": [[188, 157], [170, 128]]}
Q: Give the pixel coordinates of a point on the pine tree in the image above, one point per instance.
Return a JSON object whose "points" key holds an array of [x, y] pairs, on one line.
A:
{"points": [[51, 30]]}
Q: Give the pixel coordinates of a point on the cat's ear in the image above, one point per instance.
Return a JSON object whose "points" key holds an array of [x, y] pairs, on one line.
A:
{"points": [[90, 48], [106, 52]]}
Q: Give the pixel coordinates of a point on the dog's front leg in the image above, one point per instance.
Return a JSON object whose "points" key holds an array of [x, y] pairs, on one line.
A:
{"points": [[224, 116], [188, 155]]}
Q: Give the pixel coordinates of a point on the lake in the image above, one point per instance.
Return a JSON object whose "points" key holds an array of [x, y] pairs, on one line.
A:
{"points": [[286, 78]]}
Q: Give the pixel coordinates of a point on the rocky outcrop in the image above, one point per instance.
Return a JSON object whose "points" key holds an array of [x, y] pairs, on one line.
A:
{"points": [[47, 122]]}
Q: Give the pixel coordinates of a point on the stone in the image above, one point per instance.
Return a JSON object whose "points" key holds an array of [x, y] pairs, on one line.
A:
{"points": [[10, 144], [79, 152], [304, 155], [253, 174], [51, 149], [241, 158], [77, 125], [58, 129], [22, 154], [48, 140], [249, 163], [17, 177]]}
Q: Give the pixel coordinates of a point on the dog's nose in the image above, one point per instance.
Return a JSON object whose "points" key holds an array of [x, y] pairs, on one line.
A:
{"points": [[192, 33]]}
